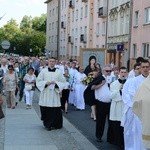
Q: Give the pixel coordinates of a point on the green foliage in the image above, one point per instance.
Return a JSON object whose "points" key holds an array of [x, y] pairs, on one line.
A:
{"points": [[31, 34]]}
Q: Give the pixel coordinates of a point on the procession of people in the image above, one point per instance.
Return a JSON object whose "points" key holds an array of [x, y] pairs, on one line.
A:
{"points": [[112, 93]]}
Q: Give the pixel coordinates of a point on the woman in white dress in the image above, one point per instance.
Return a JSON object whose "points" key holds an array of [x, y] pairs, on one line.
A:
{"points": [[79, 89], [29, 80]]}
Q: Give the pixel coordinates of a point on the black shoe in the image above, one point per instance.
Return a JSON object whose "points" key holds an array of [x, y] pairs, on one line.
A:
{"points": [[98, 139], [16, 103]]}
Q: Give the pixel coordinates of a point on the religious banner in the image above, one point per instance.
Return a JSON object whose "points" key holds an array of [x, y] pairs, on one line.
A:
{"points": [[99, 53]]}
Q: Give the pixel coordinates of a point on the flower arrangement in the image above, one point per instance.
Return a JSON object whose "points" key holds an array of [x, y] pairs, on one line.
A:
{"points": [[88, 79]]}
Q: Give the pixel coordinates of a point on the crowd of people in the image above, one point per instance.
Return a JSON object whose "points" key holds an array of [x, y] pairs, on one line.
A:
{"points": [[112, 92]]}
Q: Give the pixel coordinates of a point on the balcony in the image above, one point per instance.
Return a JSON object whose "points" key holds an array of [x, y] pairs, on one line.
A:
{"points": [[71, 4], [102, 12], [69, 39], [83, 38], [63, 25]]}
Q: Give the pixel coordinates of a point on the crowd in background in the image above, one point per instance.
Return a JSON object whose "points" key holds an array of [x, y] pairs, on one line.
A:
{"points": [[110, 92]]}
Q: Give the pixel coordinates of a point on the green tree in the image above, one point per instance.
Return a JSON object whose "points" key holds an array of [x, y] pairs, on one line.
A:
{"points": [[39, 23]]}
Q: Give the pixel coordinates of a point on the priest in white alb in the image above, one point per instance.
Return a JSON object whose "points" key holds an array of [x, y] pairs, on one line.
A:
{"points": [[51, 82]]}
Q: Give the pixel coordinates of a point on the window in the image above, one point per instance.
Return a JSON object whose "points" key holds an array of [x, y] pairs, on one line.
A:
{"points": [[134, 50], [50, 25], [85, 29], [127, 24], [98, 5], [81, 15], [49, 39], [97, 29], [77, 14], [86, 11], [53, 11], [80, 30], [53, 25], [50, 13], [73, 16], [147, 15], [121, 25], [56, 10], [136, 18], [103, 28], [145, 50]]}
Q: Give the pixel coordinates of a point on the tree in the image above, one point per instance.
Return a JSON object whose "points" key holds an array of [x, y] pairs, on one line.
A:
{"points": [[26, 24], [39, 23]]}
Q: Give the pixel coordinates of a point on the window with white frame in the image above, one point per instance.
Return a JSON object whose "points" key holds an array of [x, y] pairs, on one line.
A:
{"points": [[127, 24], [76, 32], [49, 39], [53, 11], [145, 50], [81, 15], [134, 50], [50, 25], [86, 11], [56, 10], [98, 5], [147, 15], [136, 18], [50, 13], [72, 15], [77, 14], [121, 25], [80, 30], [75, 52], [104, 28], [97, 29], [85, 29]]}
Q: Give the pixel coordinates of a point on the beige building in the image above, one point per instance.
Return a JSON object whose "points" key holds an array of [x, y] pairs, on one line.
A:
{"points": [[118, 31], [52, 28], [140, 39]]}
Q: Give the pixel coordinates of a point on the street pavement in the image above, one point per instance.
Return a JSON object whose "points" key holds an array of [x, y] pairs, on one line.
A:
{"points": [[22, 129]]}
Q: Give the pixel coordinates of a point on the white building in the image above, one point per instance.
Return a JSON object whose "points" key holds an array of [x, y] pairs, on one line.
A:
{"points": [[52, 27], [118, 31]]}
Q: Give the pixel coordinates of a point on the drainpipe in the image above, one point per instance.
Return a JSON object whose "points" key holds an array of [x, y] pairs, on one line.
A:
{"points": [[58, 28], [130, 31], [106, 25]]}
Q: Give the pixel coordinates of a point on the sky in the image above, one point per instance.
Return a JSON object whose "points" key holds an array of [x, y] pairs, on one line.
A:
{"points": [[16, 9]]}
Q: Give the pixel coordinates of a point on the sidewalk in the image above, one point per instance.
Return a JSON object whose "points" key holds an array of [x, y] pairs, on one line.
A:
{"points": [[24, 131]]}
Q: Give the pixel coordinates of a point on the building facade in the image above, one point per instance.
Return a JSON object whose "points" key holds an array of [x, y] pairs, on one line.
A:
{"points": [[118, 31], [52, 28], [140, 37]]}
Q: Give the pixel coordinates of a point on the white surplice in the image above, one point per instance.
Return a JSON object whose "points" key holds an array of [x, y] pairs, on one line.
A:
{"points": [[72, 73], [79, 89], [141, 107], [50, 97], [130, 122], [116, 107]]}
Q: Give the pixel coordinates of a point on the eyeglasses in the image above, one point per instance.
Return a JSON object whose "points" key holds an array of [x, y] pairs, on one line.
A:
{"points": [[108, 70], [145, 66]]}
